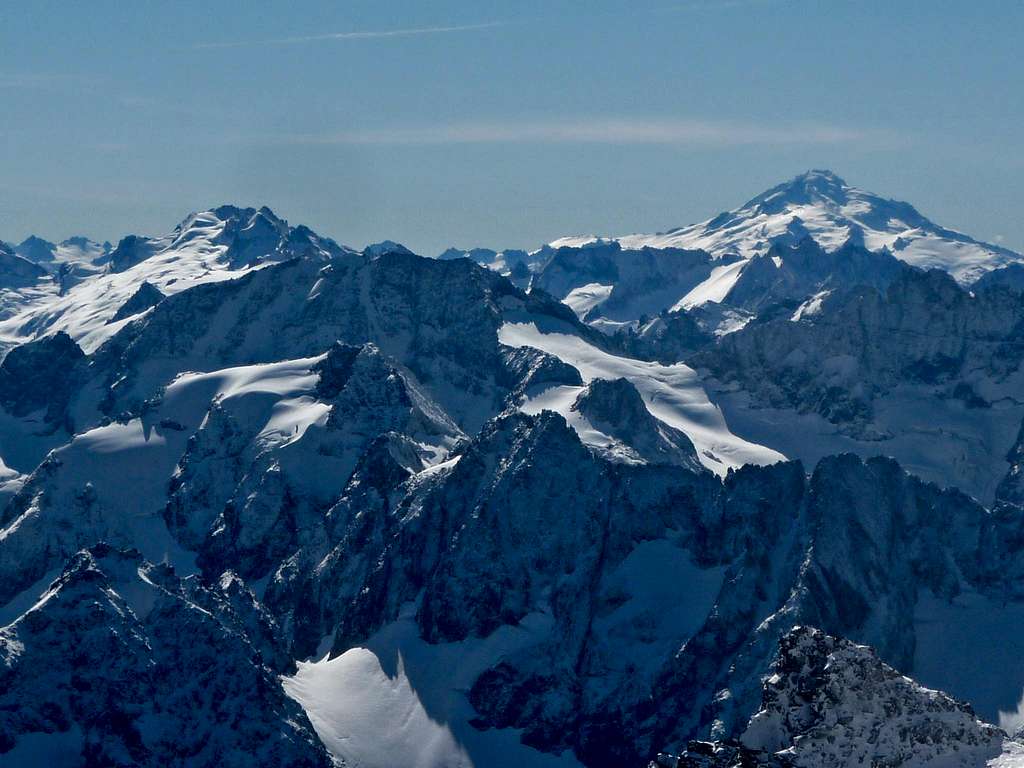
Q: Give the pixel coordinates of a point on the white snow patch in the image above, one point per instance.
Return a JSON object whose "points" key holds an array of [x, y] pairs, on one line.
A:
{"points": [[583, 299], [714, 289], [560, 399], [402, 701], [810, 307]]}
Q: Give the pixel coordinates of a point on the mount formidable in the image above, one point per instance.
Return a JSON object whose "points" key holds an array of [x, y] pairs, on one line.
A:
{"points": [[705, 497]]}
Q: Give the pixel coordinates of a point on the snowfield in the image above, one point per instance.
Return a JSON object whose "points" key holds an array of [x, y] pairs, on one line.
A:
{"points": [[672, 393], [399, 701]]}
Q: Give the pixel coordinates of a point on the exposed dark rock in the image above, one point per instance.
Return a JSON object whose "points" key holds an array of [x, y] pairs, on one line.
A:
{"points": [[148, 295], [41, 375], [120, 660]]}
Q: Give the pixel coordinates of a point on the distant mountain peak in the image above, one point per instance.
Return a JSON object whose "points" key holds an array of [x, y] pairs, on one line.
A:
{"points": [[385, 247], [821, 204], [808, 187]]}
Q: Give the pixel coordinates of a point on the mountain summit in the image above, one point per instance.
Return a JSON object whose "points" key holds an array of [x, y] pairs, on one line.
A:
{"points": [[823, 206]]}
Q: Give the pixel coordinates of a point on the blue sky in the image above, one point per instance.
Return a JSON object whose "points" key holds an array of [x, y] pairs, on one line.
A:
{"points": [[500, 124]]}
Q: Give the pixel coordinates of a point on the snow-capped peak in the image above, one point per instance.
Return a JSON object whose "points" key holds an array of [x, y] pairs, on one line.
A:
{"points": [[374, 250], [72, 250], [220, 243], [822, 205], [812, 186]]}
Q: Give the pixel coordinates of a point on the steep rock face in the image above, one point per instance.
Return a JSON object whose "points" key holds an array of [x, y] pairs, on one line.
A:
{"points": [[588, 699], [17, 271], [41, 375], [1011, 277], [529, 369], [518, 266], [131, 250], [447, 534], [1010, 492], [924, 371], [148, 295], [641, 282], [669, 338], [880, 338], [868, 543], [364, 562], [852, 550], [524, 519], [616, 408], [35, 249], [120, 665], [789, 273], [247, 504], [829, 702]]}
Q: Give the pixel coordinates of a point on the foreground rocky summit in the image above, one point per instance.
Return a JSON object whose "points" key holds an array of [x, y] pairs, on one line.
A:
{"points": [[121, 663], [828, 702]]}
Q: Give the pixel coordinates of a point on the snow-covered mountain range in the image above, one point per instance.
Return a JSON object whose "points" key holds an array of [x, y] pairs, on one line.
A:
{"points": [[704, 498]]}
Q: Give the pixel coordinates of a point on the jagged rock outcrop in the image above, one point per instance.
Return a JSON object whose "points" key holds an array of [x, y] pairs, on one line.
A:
{"points": [[121, 663], [41, 375], [527, 368], [247, 506], [16, 271], [669, 338], [924, 329], [616, 408], [829, 702], [869, 541], [148, 295]]}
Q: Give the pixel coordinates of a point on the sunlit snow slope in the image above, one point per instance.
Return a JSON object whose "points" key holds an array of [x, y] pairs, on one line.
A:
{"points": [[822, 205], [672, 393]]}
